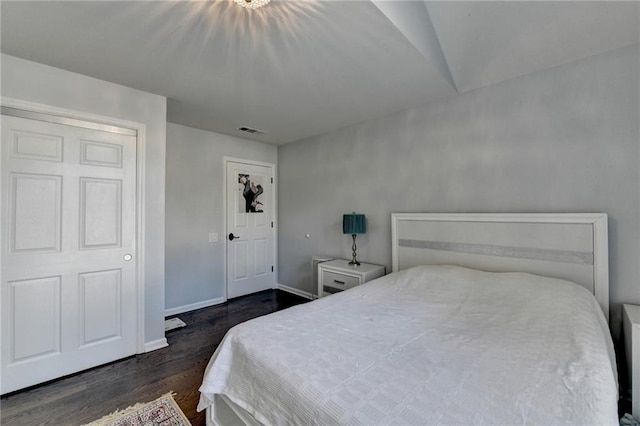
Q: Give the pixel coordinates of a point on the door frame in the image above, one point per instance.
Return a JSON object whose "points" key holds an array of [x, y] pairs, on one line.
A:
{"points": [[274, 197], [77, 118]]}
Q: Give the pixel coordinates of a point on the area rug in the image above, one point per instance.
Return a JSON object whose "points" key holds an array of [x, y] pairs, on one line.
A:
{"points": [[163, 411]]}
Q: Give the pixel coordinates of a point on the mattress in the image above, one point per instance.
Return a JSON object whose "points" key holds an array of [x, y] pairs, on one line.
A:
{"points": [[428, 345]]}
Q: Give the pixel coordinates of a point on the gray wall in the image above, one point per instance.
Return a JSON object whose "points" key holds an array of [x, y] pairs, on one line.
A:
{"points": [[30, 81], [194, 270], [560, 140]]}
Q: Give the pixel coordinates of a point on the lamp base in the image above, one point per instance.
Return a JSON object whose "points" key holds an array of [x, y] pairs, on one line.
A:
{"points": [[354, 261]]}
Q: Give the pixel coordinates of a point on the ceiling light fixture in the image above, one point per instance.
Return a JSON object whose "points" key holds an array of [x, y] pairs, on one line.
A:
{"points": [[252, 4]]}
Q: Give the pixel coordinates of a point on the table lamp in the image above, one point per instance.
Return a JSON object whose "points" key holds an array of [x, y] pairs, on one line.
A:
{"points": [[354, 224]]}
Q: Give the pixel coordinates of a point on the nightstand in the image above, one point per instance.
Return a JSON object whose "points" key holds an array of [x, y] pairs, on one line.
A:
{"points": [[337, 275], [631, 323]]}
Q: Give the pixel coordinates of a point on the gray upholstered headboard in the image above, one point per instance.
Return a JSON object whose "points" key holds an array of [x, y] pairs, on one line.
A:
{"points": [[573, 247]]}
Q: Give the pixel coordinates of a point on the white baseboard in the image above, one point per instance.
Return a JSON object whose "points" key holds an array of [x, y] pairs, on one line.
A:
{"points": [[155, 344], [295, 291], [192, 307]]}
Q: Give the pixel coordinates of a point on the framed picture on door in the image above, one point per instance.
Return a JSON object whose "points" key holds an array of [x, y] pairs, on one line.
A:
{"points": [[251, 187]]}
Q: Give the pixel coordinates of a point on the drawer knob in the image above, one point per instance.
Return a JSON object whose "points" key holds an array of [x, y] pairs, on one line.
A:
{"points": [[338, 282]]}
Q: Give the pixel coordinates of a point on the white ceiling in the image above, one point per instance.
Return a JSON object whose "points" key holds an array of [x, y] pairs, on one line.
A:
{"points": [[488, 42], [300, 68]]}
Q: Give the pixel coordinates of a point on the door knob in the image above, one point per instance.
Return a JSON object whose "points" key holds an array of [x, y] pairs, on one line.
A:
{"points": [[127, 257], [231, 236]]}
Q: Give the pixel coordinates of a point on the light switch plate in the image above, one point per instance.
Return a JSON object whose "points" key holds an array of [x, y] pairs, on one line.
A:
{"points": [[213, 237]]}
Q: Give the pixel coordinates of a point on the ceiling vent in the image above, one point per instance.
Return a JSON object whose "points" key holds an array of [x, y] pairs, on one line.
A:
{"points": [[252, 131]]}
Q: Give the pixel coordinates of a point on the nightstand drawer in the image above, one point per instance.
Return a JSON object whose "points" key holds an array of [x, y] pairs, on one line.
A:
{"points": [[337, 275], [339, 281]]}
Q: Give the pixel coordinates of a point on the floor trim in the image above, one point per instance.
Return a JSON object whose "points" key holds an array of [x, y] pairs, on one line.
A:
{"points": [[155, 345], [192, 307], [295, 291]]}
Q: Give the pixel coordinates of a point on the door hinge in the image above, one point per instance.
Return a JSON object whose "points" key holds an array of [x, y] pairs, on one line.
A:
{"points": [[271, 180], [272, 224], [272, 269]]}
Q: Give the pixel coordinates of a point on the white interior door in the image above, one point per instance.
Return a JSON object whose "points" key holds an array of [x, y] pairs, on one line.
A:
{"points": [[68, 249], [250, 228]]}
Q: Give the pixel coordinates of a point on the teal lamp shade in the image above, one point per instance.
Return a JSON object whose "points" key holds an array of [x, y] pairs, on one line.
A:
{"points": [[354, 224]]}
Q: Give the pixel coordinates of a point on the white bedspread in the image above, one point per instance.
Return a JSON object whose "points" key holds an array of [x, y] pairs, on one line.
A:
{"points": [[429, 345]]}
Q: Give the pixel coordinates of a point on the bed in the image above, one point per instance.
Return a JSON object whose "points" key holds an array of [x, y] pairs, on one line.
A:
{"points": [[485, 319]]}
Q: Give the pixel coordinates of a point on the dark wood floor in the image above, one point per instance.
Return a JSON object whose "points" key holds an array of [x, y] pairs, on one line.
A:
{"points": [[89, 395]]}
